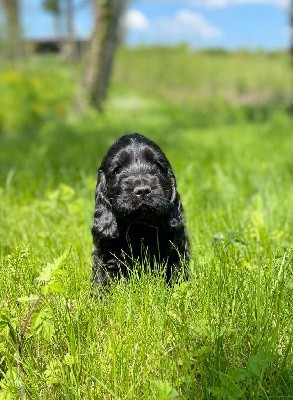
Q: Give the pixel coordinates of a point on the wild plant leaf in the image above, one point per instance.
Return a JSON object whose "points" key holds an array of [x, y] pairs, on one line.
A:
{"points": [[52, 372], [259, 362], [48, 329], [164, 390], [55, 287], [222, 393], [54, 268], [43, 323], [237, 374], [202, 350], [4, 319], [7, 322], [69, 359], [5, 394], [28, 299], [39, 318]]}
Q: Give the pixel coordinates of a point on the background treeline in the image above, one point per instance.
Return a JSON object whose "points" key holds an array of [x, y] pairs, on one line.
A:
{"points": [[209, 86], [100, 51]]}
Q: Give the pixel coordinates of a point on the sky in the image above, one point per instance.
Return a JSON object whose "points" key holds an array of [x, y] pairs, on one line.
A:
{"points": [[230, 24]]}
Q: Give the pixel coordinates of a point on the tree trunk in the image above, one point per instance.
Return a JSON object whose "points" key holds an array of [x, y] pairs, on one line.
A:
{"points": [[53, 7], [13, 29], [93, 86], [70, 48]]}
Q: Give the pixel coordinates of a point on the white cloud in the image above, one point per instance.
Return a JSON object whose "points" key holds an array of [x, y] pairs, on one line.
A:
{"points": [[135, 20], [186, 21], [182, 26]]}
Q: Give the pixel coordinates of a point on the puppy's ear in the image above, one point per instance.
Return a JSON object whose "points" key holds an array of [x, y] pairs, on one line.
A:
{"points": [[174, 219], [174, 189], [105, 224]]}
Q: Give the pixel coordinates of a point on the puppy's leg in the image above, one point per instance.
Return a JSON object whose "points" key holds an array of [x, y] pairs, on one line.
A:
{"points": [[104, 272], [178, 257], [176, 272]]}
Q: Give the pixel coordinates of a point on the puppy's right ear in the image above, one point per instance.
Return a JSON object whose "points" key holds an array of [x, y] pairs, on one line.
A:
{"points": [[105, 224]]}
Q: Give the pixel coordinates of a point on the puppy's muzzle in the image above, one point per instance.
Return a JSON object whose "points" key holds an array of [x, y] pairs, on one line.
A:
{"points": [[142, 190]]}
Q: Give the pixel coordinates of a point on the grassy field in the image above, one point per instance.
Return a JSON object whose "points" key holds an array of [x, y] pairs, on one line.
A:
{"points": [[223, 122]]}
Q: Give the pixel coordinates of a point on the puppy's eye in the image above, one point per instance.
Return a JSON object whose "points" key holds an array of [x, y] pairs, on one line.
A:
{"points": [[117, 169]]}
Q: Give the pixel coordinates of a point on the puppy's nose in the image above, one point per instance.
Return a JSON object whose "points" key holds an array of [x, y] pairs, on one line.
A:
{"points": [[142, 190]]}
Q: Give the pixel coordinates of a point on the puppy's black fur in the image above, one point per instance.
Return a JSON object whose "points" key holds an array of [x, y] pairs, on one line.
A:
{"points": [[138, 212]]}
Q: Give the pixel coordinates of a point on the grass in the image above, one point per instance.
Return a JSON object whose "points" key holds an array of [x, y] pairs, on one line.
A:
{"points": [[197, 79], [225, 334]]}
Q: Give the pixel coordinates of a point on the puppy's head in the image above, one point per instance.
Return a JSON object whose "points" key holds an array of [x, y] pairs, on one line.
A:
{"points": [[140, 184], [136, 184]]}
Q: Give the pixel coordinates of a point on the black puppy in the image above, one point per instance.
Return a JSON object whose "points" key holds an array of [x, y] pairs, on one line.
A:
{"points": [[138, 213]]}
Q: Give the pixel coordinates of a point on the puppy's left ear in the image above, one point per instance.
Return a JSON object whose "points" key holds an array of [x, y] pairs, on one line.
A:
{"points": [[174, 219], [105, 224]]}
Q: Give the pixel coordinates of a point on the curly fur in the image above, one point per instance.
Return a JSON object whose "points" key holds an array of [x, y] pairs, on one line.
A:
{"points": [[138, 212]]}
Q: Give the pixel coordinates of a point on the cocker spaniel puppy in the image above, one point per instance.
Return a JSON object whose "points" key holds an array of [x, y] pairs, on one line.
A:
{"points": [[138, 214]]}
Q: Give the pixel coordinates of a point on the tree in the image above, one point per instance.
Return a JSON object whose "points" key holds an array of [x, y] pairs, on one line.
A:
{"points": [[64, 9], [53, 7], [71, 49], [93, 85], [13, 28]]}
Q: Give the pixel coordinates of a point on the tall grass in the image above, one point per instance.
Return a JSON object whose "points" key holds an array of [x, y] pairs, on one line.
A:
{"points": [[224, 334]]}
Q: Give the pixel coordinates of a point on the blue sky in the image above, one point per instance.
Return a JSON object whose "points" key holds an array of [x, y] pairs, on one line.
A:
{"points": [[200, 23]]}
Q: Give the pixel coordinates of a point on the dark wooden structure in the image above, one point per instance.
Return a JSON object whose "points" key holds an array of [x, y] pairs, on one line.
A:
{"points": [[53, 45]]}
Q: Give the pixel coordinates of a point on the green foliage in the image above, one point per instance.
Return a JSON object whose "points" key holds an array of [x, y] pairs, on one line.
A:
{"points": [[163, 391], [52, 6], [28, 100], [37, 321], [224, 334], [198, 88]]}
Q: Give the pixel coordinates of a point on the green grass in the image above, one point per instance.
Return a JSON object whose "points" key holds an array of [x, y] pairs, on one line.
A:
{"points": [[225, 334], [197, 79]]}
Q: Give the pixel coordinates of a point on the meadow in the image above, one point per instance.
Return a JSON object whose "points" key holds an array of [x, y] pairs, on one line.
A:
{"points": [[225, 123]]}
